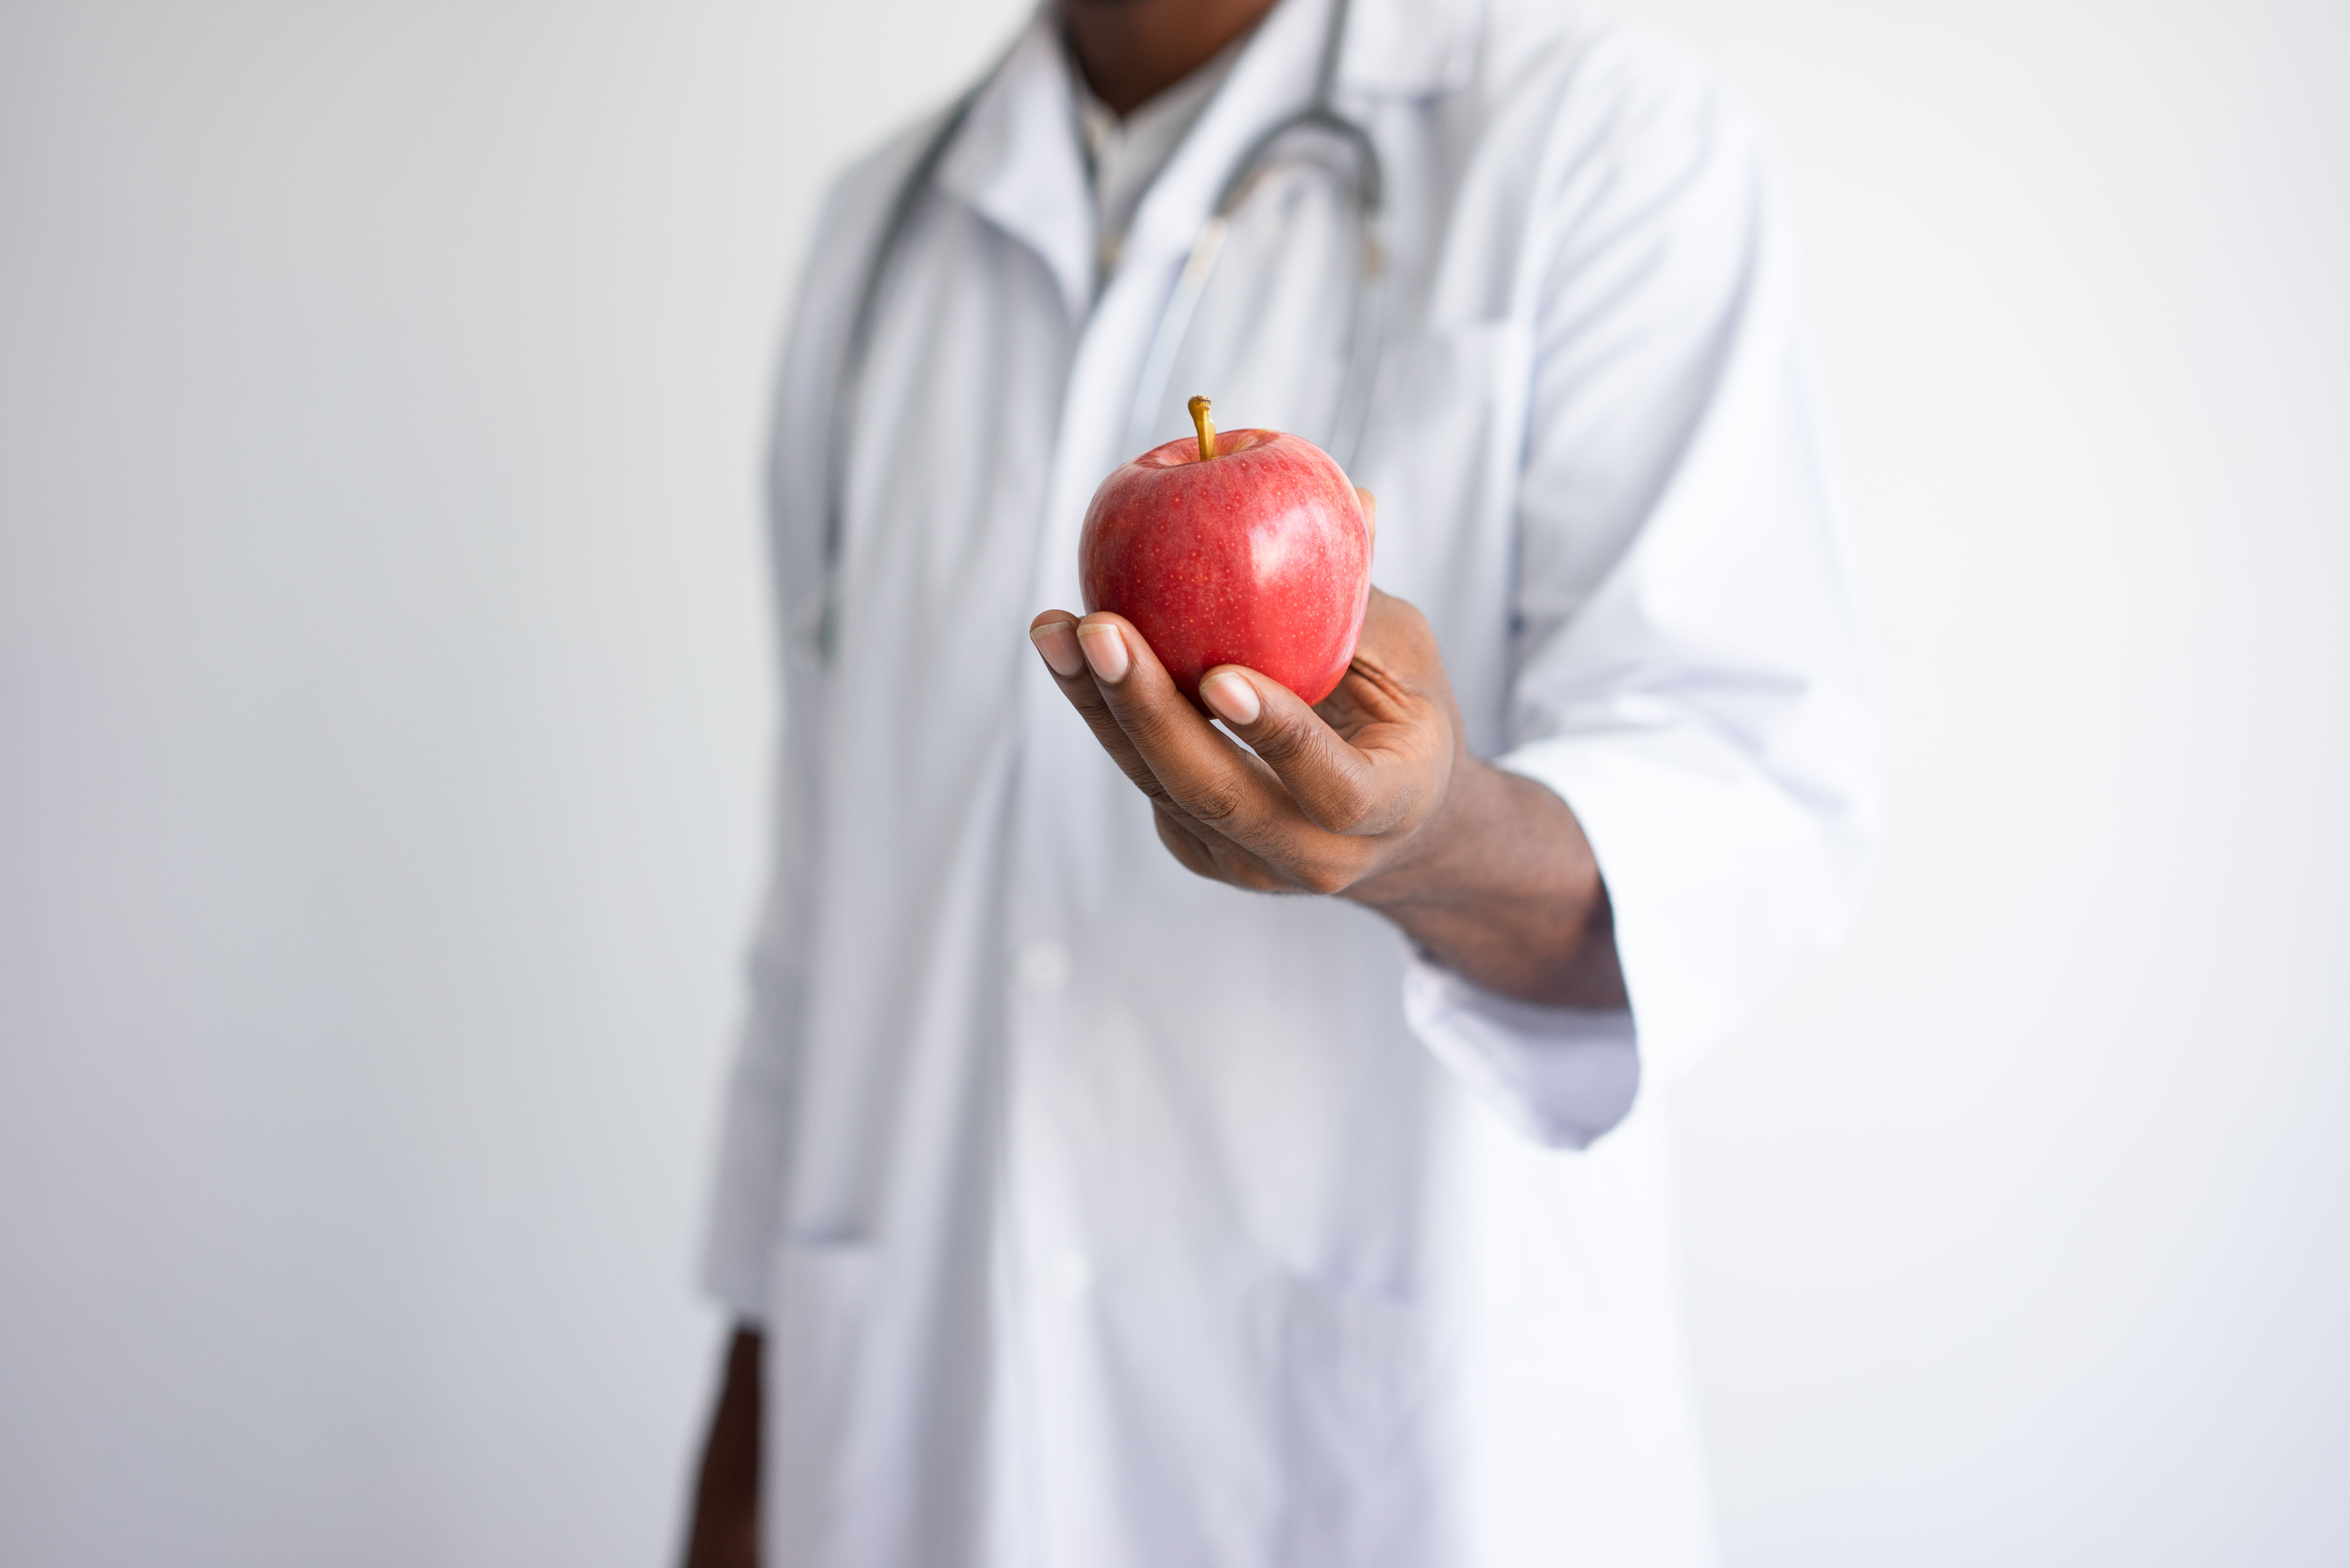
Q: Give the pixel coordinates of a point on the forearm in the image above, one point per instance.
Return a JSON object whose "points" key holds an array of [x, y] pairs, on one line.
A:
{"points": [[1507, 894]]}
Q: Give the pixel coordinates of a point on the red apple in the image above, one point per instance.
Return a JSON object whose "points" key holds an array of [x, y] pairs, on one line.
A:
{"points": [[1243, 547]]}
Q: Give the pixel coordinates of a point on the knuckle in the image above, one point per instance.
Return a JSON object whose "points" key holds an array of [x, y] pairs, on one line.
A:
{"points": [[1212, 804], [1188, 854], [1281, 740], [1259, 877], [1239, 869], [1102, 722], [1346, 807], [1149, 726], [1325, 877]]}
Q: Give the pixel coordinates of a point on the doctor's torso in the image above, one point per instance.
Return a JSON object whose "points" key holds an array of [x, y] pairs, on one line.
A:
{"points": [[1110, 1215]]}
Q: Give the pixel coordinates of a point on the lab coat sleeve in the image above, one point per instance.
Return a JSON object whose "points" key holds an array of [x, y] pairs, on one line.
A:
{"points": [[754, 1140], [740, 1238], [1690, 674]]}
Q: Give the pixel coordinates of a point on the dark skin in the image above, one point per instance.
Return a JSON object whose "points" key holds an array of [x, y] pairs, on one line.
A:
{"points": [[724, 1532], [1371, 795], [1132, 50]]}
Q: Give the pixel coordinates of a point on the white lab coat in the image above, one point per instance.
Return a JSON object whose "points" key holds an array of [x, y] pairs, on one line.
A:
{"points": [[1102, 1217]]}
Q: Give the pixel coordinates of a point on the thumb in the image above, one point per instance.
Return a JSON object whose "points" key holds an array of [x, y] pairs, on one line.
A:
{"points": [[1334, 784]]}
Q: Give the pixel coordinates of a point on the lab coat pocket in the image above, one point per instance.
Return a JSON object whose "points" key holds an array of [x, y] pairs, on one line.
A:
{"points": [[1356, 1391], [820, 1484]]}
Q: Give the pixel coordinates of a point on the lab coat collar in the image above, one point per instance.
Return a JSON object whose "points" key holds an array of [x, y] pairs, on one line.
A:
{"points": [[1017, 163], [1017, 160], [1273, 78], [1410, 49]]}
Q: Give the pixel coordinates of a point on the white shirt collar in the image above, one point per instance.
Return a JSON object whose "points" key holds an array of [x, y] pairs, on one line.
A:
{"points": [[1125, 155]]}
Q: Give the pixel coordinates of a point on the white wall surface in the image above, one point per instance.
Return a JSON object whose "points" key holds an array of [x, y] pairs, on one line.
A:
{"points": [[383, 704], [384, 718], [2022, 1235]]}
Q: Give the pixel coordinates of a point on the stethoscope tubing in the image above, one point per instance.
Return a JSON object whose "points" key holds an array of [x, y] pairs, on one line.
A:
{"points": [[1174, 322], [849, 384]]}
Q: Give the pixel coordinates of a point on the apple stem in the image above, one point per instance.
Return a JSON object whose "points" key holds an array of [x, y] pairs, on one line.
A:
{"points": [[1207, 428]]}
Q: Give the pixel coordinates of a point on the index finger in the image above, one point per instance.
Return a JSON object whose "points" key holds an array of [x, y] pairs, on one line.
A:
{"points": [[1054, 633], [1203, 774]]}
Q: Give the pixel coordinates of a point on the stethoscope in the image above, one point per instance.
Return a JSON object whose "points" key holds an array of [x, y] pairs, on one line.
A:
{"points": [[1174, 322]]}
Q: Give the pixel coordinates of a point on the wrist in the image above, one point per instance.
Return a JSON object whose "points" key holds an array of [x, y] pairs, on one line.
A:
{"points": [[1503, 888], [1440, 865]]}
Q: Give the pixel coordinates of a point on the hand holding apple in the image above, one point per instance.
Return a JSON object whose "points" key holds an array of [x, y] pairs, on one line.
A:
{"points": [[1322, 800], [1372, 795]]}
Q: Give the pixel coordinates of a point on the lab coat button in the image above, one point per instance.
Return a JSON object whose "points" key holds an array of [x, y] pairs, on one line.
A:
{"points": [[1043, 966]]}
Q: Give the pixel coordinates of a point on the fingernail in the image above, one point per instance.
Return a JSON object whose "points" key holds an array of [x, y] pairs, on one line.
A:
{"points": [[1231, 695], [1057, 641], [1104, 651]]}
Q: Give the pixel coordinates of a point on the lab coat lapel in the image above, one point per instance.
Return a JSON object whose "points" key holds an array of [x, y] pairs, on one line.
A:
{"points": [[1273, 78], [1410, 49], [1393, 48], [1016, 163]]}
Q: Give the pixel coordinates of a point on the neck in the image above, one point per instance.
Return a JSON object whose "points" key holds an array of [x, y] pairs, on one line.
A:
{"points": [[1132, 50]]}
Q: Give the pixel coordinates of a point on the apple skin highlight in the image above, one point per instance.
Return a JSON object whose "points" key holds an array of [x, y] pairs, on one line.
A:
{"points": [[1259, 556]]}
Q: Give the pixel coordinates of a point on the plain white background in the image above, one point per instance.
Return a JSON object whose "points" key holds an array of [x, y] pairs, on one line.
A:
{"points": [[383, 706]]}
